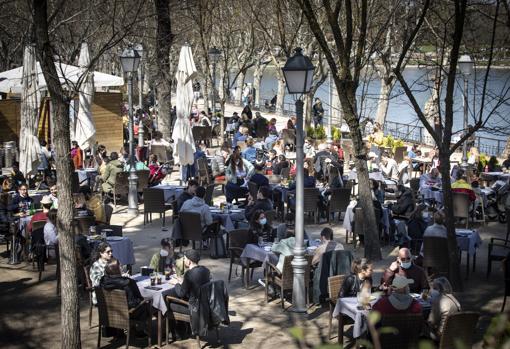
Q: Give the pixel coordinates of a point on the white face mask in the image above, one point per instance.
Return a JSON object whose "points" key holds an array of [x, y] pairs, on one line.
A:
{"points": [[163, 253], [405, 265], [263, 221]]}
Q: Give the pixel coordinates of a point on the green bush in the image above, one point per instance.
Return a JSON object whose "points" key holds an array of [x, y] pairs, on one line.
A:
{"points": [[336, 133], [310, 132], [320, 133]]}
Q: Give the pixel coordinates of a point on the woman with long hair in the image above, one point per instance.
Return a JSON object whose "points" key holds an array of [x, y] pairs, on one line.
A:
{"points": [[260, 227], [103, 254], [237, 172]]}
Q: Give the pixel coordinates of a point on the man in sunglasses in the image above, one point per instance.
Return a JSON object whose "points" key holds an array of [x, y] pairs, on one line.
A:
{"points": [[404, 266]]}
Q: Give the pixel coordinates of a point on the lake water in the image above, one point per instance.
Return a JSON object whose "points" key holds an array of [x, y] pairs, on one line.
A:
{"points": [[400, 109]]}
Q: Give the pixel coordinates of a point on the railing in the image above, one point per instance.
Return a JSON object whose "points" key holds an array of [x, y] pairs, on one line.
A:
{"points": [[418, 134]]}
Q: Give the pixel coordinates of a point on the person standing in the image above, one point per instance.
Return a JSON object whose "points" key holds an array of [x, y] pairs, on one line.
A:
{"points": [[77, 156], [318, 112]]}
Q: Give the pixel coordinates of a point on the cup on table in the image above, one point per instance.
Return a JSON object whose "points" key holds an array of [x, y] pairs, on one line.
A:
{"points": [[167, 273], [153, 280], [158, 279]]}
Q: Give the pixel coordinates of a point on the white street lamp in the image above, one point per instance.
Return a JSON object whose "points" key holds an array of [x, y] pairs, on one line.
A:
{"points": [[298, 73], [130, 60], [214, 57], [466, 66]]}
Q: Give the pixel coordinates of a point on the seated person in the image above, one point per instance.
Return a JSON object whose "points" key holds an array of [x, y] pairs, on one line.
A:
{"points": [[41, 216], [21, 202], [389, 167], [241, 135], [237, 172], [198, 205], [405, 267], [188, 287], [278, 166], [262, 202], [360, 278], [109, 177], [164, 258], [258, 177], [416, 225], [260, 228], [187, 194], [80, 205], [113, 280], [309, 182], [405, 201], [430, 180], [50, 231], [250, 153], [444, 304], [17, 176], [53, 194], [156, 173], [399, 301], [219, 161], [437, 229], [379, 194], [327, 244], [462, 186], [271, 138]]}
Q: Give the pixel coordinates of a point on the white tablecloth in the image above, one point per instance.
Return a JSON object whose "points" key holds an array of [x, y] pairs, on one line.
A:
{"points": [[432, 194], [378, 176], [171, 191], [468, 240], [156, 296], [226, 219], [257, 253]]}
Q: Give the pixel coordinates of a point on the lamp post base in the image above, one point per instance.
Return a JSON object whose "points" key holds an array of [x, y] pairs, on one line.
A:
{"points": [[132, 212]]}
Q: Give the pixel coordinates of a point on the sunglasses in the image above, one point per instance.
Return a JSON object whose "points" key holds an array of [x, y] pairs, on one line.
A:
{"points": [[108, 251]]}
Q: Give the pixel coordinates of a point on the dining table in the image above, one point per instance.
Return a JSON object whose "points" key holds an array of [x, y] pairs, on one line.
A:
{"points": [[349, 307], [156, 295], [468, 240], [171, 191]]}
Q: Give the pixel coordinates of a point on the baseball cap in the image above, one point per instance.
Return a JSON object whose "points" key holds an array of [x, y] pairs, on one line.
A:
{"points": [[400, 281]]}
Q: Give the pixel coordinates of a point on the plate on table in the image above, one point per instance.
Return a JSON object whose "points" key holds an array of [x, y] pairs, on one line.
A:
{"points": [[114, 238]]}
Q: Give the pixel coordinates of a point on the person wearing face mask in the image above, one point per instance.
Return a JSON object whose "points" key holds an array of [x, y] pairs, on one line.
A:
{"points": [[260, 228], [405, 267], [360, 278], [399, 301], [327, 244], [163, 258], [443, 303]]}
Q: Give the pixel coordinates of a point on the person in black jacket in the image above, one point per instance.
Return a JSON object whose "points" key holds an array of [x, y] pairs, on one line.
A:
{"points": [[187, 194], [405, 201], [260, 228], [361, 277], [21, 202], [262, 202]]}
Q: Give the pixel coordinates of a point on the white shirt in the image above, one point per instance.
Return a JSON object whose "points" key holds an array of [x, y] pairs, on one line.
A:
{"points": [[50, 234]]}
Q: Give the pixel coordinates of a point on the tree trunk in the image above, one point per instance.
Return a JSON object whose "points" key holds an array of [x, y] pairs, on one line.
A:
{"points": [[70, 316], [384, 100], [280, 96], [240, 86], [162, 78], [205, 91], [257, 78], [444, 168]]}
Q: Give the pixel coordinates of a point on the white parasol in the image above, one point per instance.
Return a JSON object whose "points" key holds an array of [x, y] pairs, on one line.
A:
{"points": [[184, 145], [84, 129], [29, 144]]}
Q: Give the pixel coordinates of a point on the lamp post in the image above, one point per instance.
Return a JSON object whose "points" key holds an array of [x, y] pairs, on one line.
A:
{"points": [[330, 111], [130, 60], [214, 57], [139, 50], [466, 66], [298, 73]]}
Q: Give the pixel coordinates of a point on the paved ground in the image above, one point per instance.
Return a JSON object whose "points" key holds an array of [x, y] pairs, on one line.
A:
{"points": [[30, 310]]}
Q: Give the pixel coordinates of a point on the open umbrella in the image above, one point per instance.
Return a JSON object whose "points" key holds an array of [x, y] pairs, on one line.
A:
{"points": [[184, 145], [29, 144], [84, 129]]}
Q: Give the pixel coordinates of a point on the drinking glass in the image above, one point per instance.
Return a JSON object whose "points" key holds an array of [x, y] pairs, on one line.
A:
{"points": [[153, 279]]}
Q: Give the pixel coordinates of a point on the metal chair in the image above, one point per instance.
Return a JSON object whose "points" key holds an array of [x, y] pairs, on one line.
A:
{"points": [[112, 230], [161, 152], [338, 201], [203, 171], [114, 312], [435, 255], [408, 327], [90, 290], [506, 272], [154, 202], [191, 228], [209, 191], [461, 206], [82, 224], [284, 279], [121, 187], [334, 286], [459, 330]]}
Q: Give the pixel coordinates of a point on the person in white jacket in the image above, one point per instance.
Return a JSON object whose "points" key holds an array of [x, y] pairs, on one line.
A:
{"points": [[198, 205]]}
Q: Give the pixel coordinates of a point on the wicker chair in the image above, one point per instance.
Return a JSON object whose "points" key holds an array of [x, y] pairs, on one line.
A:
{"points": [[191, 228], [154, 202], [399, 154], [435, 255], [161, 152], [121, 187], [506, 272], [461, 206], [237, 241], [311, 202], [87, 286], [114, 312], [284, 280], [203, 171], [459, 330], [143, 180], [38, 224], [408, 327], [338, 201], [82, 224], [334, 286]]}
